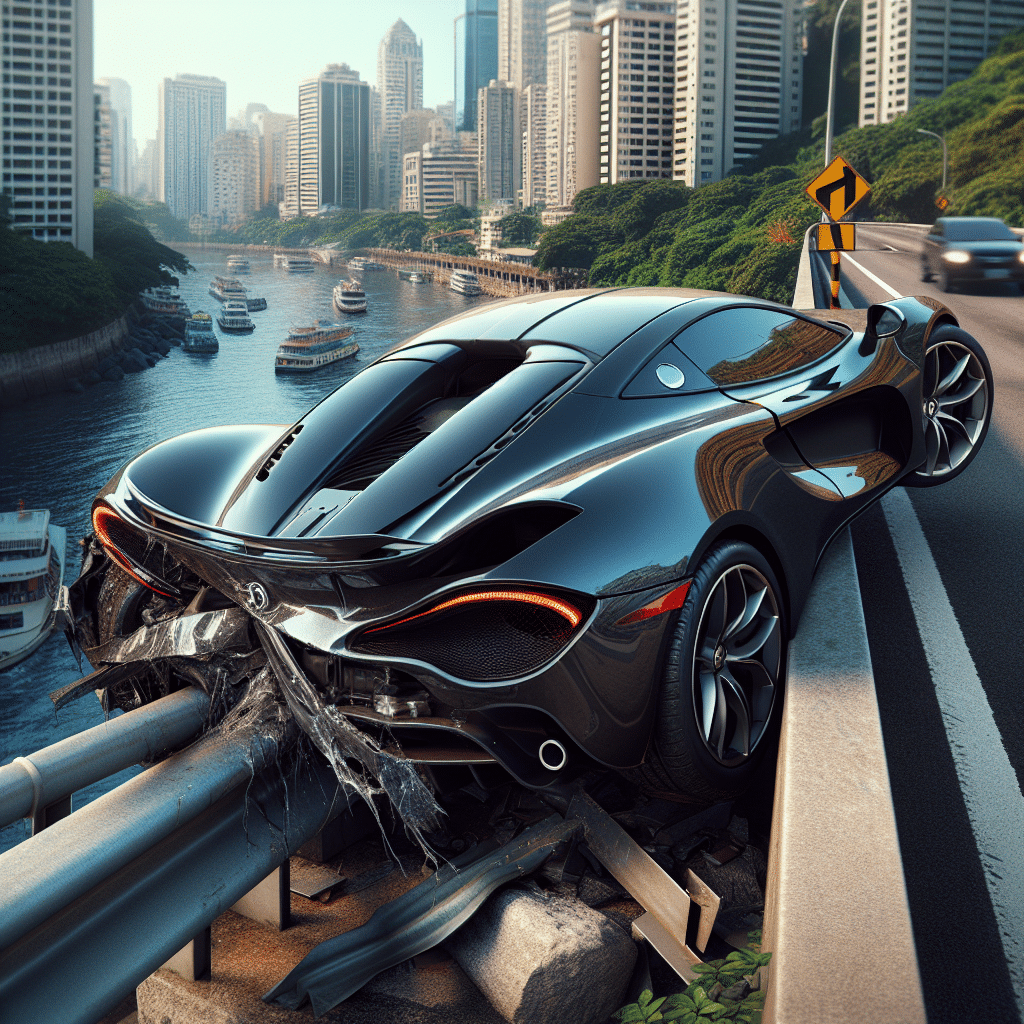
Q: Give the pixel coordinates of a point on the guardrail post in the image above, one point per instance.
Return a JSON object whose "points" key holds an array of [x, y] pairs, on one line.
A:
{"points": [[193, 961], [270, 902]]}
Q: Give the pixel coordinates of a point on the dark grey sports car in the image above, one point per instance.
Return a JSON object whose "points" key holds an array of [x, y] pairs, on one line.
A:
{"points": [[565, 530]]}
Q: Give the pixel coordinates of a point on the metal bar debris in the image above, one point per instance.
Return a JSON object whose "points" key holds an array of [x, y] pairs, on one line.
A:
{"points": [[416, 921]]}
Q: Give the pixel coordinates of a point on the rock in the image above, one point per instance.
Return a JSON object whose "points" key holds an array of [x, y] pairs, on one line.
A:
{"points": [[738, 990], [91, 377], [113, 373], [75, 386], [105, 364], [542, 958], [161, 346], [134, 361], [595, 892]]}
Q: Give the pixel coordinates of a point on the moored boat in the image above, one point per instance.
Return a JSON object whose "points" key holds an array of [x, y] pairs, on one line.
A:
{"points": [[358, 263], [255, 304], [164, 300], [294, 264], [349, 297], [309, 348], [465, 283], [239, 264], [199, 334], [225, 288], [31, 570], [234, 317]]}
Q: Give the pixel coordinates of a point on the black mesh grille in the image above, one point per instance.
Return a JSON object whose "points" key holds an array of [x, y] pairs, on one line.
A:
{"points": [[365, 466], [482, 642]]}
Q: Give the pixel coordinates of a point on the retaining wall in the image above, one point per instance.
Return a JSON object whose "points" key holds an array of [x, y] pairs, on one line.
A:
{"points": [[36, 371]]}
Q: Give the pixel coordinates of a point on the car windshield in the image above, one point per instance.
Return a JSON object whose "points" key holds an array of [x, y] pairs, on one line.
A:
{"points": [[971, 230]]}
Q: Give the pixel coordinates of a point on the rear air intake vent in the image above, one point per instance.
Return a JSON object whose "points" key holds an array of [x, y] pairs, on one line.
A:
{"points": [[276, 454]]}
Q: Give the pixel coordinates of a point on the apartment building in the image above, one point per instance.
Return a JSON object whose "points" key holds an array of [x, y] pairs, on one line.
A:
{"points": [[122, 143], [49, 119], [191, 115], [572, 101], [499, 144], [333, 165], [273, 130], [400, 89], [739, 81], [439, 174], [476, 58], [234, 176], [102, 140], [534, 118], [636, 90], [288, 208], [913, 49]]}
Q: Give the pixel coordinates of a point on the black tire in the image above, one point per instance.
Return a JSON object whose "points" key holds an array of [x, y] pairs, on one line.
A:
{"points": [[926, 274], [945, 283], [696, 751], [956, 405]]}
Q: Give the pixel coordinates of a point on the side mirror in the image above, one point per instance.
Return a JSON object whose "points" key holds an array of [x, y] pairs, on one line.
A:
{"points": [[883, 322]]}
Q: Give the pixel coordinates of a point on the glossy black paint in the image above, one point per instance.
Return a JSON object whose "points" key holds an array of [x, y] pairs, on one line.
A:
{"points": [[532, 443]]}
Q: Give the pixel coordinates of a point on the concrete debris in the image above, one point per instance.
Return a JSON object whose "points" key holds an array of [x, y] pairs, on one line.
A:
{"points": [[545, 959]]}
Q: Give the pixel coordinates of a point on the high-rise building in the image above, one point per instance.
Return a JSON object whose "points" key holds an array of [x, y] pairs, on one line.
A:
{"points": [[49, 119], [476, 58], [416, 128], [147, 171], [192, 113], [288, 208], [534, 116], [273, 129], [739, 81], [122, 143], [333, 167], [103, 143], [572, 100], [636, 89], [234, 176], [439, 174], [499, 144], [522, 42], [400, 88], [913, 49]]}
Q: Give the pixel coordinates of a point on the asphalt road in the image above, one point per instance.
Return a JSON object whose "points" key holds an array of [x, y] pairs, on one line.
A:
{"points": [[944, 607]]}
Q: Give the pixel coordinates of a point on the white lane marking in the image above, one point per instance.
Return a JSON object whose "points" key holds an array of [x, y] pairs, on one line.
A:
{"points": [[871, 277], [995, 806]]}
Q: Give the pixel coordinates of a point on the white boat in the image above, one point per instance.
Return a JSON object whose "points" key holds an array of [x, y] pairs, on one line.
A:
{"points": [[199, 334], [465, 283], [358, 263], [415, 277], [309, 348], [239, 264], [225, 288], [349, 297], [31, 570], [234, 317], [164, 300], [294, 264]]}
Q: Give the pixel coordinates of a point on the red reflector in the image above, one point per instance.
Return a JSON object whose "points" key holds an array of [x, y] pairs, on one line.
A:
{"points": [[103, 519], [669, 602], [563, 608]]}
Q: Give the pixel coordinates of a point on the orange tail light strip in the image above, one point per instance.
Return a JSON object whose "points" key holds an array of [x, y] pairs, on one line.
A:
{"points": [[672, 600], [563, 608], [100, 517]]}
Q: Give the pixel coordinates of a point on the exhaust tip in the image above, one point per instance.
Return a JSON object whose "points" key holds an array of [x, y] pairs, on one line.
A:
{"points": [[553, 755]]}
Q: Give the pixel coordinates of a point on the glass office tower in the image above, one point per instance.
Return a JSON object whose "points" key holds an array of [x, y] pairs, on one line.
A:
{"points": [[476, 58]]}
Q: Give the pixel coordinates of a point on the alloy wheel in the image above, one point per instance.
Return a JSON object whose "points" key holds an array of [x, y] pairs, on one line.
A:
{"points": [[955, 406], [737, 658]]}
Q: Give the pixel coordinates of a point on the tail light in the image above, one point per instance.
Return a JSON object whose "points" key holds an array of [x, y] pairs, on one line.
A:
{"points": [[481, 635], [131, 550]]}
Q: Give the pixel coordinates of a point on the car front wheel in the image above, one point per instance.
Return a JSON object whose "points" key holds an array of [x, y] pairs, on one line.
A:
{"points": [[957, 405], [721, 692]]}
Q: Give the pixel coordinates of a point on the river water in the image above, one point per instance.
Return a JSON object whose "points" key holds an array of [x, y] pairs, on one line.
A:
{"points": [[56, 451]]}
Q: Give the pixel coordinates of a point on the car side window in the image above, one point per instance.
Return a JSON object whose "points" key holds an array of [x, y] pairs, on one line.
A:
{"points": [[745, 344]]}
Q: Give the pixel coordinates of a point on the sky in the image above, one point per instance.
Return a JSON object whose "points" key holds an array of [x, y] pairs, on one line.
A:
{"points": [[261, 50]]}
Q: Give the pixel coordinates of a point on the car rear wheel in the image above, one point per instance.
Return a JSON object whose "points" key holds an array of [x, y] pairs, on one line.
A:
{"points": [[957, 405], [721, 693]]}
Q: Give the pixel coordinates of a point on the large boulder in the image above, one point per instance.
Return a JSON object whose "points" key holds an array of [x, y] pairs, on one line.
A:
{"points": [[545, 958]]}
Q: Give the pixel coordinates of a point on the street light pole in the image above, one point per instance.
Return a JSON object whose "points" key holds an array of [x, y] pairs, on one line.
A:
{"points": [[942, 139], [832, 84]]}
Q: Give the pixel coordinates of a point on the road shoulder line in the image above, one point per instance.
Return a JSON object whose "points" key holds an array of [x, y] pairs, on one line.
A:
{"points": [[836, 916], [873, 278]]}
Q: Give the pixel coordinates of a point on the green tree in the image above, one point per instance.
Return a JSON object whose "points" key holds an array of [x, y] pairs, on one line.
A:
{"points": [[519, 228]]}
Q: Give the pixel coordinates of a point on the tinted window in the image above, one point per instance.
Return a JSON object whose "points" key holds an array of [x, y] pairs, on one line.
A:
{"points": [[980, 230], [737, 346]]}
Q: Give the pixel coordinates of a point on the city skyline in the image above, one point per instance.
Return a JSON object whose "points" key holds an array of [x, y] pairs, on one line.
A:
{"points": [[149, 47]]}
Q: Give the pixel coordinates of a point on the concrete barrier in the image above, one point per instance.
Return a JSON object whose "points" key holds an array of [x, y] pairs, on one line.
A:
{"points": [[45, 368]]}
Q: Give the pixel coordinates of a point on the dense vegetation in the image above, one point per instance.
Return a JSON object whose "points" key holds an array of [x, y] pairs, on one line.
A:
{"points": [[743, 234], [52, 291]]}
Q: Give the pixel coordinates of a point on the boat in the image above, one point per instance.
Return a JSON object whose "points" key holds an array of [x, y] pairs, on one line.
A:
{"points": [[199, 334], [465, 283], [234, 317], [415, 277], [164, 300], [239, 264], [294, 264], [358, 263], [255, 304], [31, 571], [225, 288], [349, 297], [309, 348]]}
